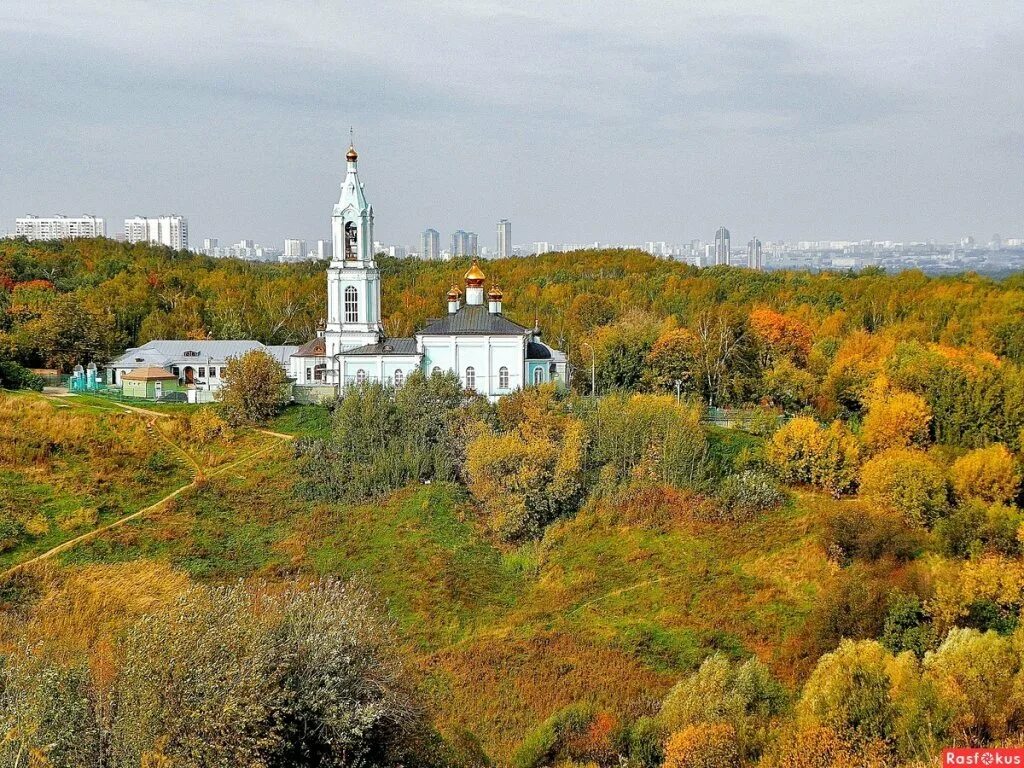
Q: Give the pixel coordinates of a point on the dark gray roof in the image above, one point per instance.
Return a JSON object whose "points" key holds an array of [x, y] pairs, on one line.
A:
{"points": [[398, 346], [473, 319], [537, 351]]}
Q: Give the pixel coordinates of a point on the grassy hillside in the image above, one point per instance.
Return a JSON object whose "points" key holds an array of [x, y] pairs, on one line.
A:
{"points": [[610, 607]]}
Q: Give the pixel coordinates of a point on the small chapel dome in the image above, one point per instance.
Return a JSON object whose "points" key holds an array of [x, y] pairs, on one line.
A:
{"points": [[453, 293], [351, 155], [495, 293], [475, 276]]}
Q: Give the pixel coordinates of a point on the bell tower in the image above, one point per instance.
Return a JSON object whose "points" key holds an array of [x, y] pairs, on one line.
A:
{"points": [[353, 280]]}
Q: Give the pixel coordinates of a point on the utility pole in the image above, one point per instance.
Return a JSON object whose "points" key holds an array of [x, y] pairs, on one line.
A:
{"points": [[678, 385]]}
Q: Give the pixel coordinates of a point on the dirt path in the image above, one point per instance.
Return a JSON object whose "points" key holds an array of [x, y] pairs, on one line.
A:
{"points": [[198, 476]]}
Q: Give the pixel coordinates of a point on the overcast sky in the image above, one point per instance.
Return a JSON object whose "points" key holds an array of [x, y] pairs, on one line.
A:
{"points": [[579, 121]]}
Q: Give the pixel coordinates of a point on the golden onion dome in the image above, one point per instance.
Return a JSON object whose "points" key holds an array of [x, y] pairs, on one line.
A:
{"points": [[453, 293], [475, 276], [495, 293], [351, 155]]}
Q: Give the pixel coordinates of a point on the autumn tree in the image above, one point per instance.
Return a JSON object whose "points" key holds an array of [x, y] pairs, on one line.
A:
{"points": [[725, 362], [862, 692], [990, 474], [898, 420], [253, 388], [906, 482], [706, 745], [744, 696], [649, 438], [803, 451], [620, 350], [672, 359], [977, 676], [532, 472], [780, 337]]}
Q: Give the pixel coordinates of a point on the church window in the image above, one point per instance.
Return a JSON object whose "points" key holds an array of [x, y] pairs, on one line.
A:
{"points": [[350, 241], [319, 371], [309, 374], [399, 378], [202, 372], [360, 376], [351, 305], [471, 378], [503, 378], [538, 375]]}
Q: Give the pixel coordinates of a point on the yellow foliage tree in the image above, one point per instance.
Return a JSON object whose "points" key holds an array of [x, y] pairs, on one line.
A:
{"points": [[991, 579], [990, 474], [803, 451], [898, 420], [865, 694], [978, 680], [907, 482], [704, 745], [524, 479], [818, 747]]}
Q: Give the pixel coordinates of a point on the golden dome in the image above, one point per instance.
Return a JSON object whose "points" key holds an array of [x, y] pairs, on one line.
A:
{"points": [[475, 276], [453, 293], [351, 155], [495, 293]]}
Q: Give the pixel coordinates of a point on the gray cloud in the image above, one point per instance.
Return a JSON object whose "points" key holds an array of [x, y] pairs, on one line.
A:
{"points": [[597, 121]]}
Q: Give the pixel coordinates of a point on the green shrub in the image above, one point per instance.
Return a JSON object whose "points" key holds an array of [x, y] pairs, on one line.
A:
{"points": [[541, 746], [750, 493], [14, 376], [855, 532]]}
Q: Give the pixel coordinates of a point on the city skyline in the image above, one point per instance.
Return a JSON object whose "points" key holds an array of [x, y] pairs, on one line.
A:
{"points": [[802, 124]]}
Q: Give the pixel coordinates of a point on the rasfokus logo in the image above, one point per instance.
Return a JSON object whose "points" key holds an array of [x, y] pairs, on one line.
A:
{"points": [[983, 757]]}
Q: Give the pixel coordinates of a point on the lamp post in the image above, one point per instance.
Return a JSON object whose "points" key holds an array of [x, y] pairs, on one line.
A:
{"points": [[593, 369]]}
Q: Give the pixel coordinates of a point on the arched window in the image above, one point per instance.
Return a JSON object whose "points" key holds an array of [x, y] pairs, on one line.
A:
{"points": [[319, 371], [553, 372], [399, 378], [503, 378], [360, 376], [471, 378], [538, 375], [351, 305], [437, 369]]}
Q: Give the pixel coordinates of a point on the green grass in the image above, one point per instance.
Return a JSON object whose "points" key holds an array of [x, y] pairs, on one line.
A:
{"points": [[307, 420], [601, 610]]}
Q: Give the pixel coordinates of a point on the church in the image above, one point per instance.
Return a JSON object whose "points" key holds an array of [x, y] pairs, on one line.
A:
{"points": [[492, 355]]}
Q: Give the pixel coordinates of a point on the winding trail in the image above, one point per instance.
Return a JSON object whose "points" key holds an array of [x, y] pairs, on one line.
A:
{"points": [[198, 476]]}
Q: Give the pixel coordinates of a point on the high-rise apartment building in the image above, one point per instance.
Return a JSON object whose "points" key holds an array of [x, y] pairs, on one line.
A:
{"points": [[430, 245], [464, 243], [504, 239], [323, 250], [294, 250], [210, 243], [59, 227], [171, 231], [755, 259], [722, 249]]}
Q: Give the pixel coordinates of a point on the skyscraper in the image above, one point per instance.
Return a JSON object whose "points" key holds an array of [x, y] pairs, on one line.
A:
{"points": [[722, 246], [754, 255], [504, 239], [430, 245], [171, 230], [464, 243]]}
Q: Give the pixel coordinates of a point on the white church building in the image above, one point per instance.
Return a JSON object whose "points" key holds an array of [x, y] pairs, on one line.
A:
{"points": [[492, 355]]}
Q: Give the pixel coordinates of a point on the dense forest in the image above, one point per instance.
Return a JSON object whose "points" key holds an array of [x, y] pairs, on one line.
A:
{"points": [[564, 578]]}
